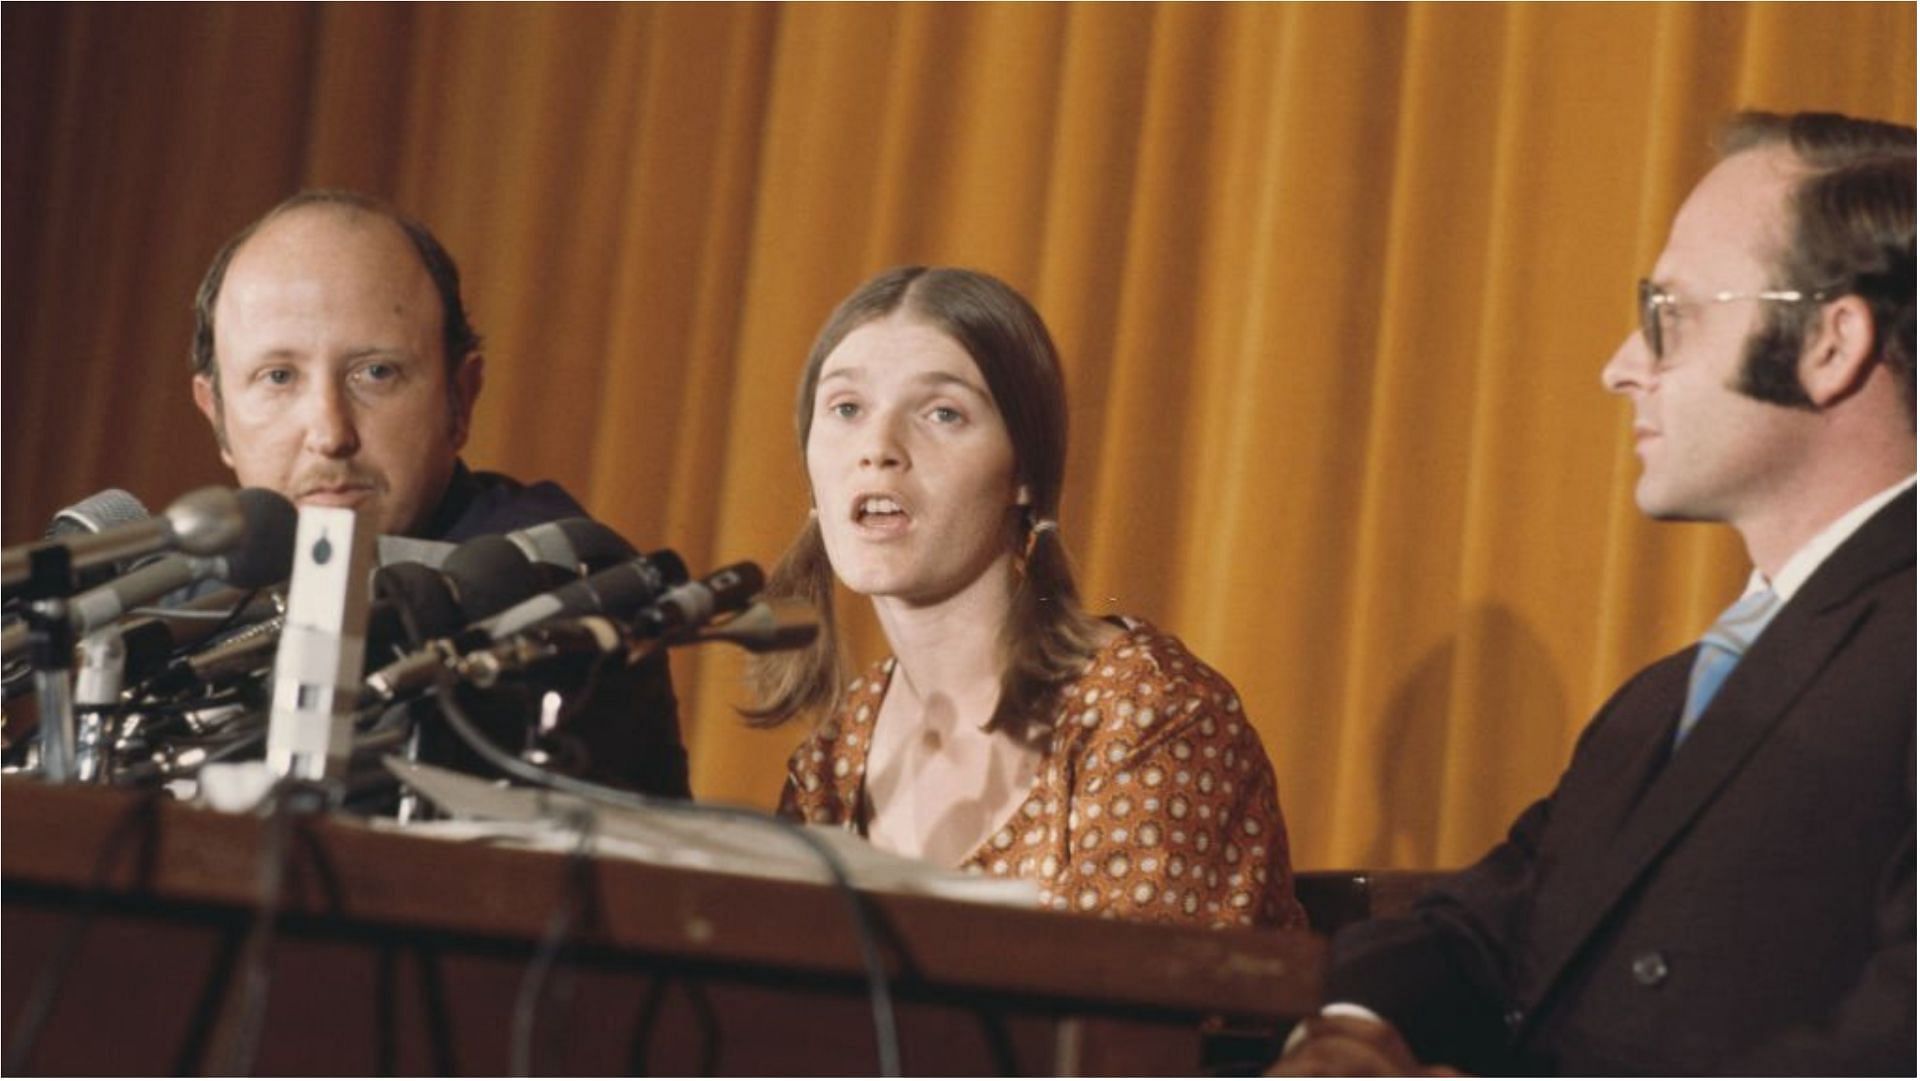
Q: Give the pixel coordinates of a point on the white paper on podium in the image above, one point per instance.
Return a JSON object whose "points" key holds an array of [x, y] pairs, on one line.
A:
{"points": [[682, 835]]}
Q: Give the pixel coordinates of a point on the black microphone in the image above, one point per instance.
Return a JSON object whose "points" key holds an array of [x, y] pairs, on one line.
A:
{"points": [[684, 607], [728, 589], [617, 591], [493, 573], [579, 546], [557, 640], [419, 602], [204, 523], [766, 628]]}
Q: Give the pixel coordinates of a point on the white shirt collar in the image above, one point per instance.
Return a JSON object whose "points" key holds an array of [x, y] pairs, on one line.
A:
{"points": [[1800, 566]]}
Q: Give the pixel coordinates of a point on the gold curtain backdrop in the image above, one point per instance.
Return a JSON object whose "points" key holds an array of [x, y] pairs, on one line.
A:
{"points": [[1333, 283]]}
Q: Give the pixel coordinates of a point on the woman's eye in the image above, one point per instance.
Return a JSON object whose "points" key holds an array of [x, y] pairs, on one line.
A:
{"points": [[946, 414], [277, 377], [844, 410]]}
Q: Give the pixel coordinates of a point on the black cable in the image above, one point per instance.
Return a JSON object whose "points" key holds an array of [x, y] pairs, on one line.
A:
{"points": [[38, 1009], [885, 1028], [434, 999], [201, 1023], [386, 1008], [640, 1047], [289, 800], [526, 1003]]}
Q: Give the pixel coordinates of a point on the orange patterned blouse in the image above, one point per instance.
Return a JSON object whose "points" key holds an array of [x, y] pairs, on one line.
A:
{"points": [[1155, 800]]}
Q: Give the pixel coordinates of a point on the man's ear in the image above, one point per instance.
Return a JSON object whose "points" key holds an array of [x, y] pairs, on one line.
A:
{"points": [[207, 396], [1840, 352], [468, 376]]}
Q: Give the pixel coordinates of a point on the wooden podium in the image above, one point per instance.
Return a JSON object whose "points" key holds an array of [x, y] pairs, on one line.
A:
{"points": [[133, 930]]}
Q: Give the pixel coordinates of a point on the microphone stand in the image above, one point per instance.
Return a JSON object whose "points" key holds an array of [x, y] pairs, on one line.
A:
{"points": [[50, 650], [103, 666], [44, 592]]}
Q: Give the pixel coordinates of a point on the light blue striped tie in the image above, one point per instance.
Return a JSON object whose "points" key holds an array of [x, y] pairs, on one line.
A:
{"points": [[1721, 649]]}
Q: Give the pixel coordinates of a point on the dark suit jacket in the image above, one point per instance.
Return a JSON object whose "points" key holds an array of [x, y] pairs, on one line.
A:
{"points": [[1743, 905]]}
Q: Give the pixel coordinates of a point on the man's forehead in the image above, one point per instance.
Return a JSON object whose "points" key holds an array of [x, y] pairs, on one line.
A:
{"points": [[1736, 212], [328, 261], [318, 236]]}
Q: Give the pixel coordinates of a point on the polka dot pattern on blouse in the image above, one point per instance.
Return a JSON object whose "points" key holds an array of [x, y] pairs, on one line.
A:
{"points": [[1155, 800]]}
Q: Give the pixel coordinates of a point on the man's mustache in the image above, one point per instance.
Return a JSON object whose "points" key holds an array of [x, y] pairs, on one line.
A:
{"points": [[333, 480]]}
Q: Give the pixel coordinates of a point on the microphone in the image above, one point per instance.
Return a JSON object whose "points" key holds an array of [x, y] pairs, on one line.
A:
{"points": [[492, 573], [583, 636], [616, 591], [419, 600], [580, 545], [412, 603], [149, 640], [247, 650], [204, 523], [98, 513], [685, 606], [728, 589], [571, 544], [766, 628], [393, 549], [264, 557]]}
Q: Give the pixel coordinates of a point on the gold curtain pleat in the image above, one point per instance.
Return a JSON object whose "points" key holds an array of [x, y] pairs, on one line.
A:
{"points": [[1333, 284]]}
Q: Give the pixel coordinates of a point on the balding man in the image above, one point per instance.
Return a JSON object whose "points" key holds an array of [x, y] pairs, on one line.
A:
{"points": [[1723, 880], [333, 356]]}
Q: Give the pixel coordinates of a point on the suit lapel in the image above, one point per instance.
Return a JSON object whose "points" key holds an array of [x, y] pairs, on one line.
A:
{"points": [[1793, 650]]}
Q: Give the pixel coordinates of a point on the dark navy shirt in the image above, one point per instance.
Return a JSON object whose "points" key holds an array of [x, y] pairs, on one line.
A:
{"points": [[477, 504]]}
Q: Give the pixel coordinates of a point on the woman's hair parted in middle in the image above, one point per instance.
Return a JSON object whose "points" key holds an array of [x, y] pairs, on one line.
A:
{"points": [[1048, 637]]}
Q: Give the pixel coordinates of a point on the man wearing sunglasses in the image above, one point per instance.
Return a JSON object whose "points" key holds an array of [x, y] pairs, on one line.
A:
{"points": [[1723, 879]]}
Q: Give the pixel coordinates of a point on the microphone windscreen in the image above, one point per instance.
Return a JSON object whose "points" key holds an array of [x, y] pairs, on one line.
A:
{"points": [[265, 555], [490, 573], [422, 596], [596, 546], [205, 522], [574, 543], [98, 512], [673, 569], [625, 588], [734, 587]]}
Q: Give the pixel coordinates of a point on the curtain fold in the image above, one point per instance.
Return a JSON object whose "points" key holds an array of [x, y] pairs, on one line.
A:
{"points": [[1333, 284]]}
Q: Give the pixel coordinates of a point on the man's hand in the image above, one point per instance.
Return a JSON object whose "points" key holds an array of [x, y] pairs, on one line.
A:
{"points": [[1350, 1047]]}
